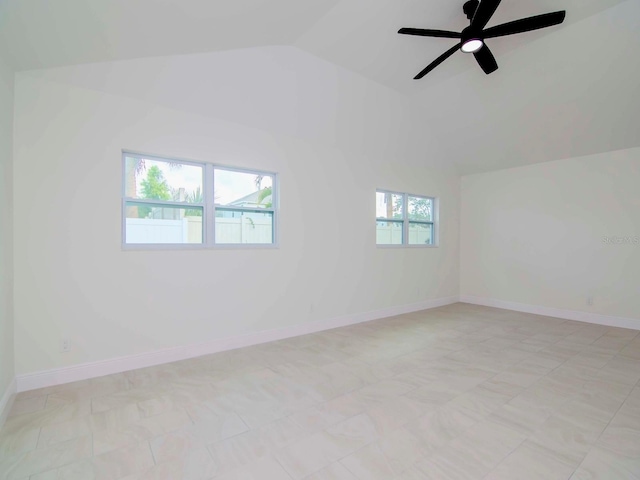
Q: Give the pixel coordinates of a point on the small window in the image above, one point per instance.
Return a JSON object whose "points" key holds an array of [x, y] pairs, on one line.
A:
{"points": [[171, 202], [403, 219]]}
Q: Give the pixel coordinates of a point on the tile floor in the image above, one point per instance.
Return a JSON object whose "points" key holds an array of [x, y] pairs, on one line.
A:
{"points": [[459, 392]]}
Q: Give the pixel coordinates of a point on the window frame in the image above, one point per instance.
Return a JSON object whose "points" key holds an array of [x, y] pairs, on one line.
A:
{"points": [[208, 206], [406, 222]]}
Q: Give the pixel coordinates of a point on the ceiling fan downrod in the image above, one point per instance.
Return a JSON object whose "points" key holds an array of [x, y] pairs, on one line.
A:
{"points": [[470, 7]]}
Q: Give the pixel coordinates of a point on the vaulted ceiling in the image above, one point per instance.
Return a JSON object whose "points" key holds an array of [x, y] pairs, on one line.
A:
{"points": [[561, 92]]}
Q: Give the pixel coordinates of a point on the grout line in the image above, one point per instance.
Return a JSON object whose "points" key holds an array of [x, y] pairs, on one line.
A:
{"points": [[282, 466], [155, 462], [38, 441]]}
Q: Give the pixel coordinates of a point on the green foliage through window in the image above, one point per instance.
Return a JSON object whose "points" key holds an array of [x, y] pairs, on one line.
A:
{"points": [[420, 208], [194, 197], [265, 193], [154, 187]]}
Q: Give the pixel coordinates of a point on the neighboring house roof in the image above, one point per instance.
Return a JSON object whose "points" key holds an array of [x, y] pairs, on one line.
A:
{"points": [[251, 200]]}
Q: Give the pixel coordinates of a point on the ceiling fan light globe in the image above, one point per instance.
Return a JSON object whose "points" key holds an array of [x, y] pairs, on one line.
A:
{"points": [[472, 45]]}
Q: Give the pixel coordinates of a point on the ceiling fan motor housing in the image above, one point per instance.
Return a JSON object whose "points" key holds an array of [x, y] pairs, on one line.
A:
{"points": [[470, 33], [470, 40]]}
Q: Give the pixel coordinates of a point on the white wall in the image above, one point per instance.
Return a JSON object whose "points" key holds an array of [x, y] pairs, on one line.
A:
{"points": [[535, 235], [6, 268], [281, 90], [332, 136]]}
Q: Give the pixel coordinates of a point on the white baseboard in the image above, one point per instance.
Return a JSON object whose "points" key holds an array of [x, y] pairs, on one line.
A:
{"points": [[6, 402], [85, 371], [608, 320]]}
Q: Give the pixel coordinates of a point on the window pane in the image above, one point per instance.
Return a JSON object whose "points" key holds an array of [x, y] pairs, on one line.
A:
{"points": [[162, 224], [158, 180], [238, 226], [389, 205], [420, 208], [420, 234], [241, 189], [389, 233]]}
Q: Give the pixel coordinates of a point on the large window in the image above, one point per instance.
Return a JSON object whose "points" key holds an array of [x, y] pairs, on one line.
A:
{"points": [[404, 219], [175, 202]]}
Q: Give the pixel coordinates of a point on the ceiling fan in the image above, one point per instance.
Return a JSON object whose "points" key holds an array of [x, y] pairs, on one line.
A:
{"points": [[472, 38]]}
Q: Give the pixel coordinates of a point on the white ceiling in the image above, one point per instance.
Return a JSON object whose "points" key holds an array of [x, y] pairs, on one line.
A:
{"points": [[564, 91], [362, 35], [49, 33]]}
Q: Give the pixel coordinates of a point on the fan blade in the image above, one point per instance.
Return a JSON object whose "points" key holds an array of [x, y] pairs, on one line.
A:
{"points": [[486, 60], [525, 24], [485, 11], [421, 32], [437, 62]]}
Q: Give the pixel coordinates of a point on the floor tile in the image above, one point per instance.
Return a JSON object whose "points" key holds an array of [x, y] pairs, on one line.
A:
{"points": [[533, 462], [42, 460], [18, 441], [335, 471], [601, 464], [267, 469], [122, 462], [27, 405], [369, 463], [622, 436], [457, 392]]}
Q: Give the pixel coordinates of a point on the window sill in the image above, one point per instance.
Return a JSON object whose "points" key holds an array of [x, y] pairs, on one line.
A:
{"points": [[407, 246], [187, 247]]}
